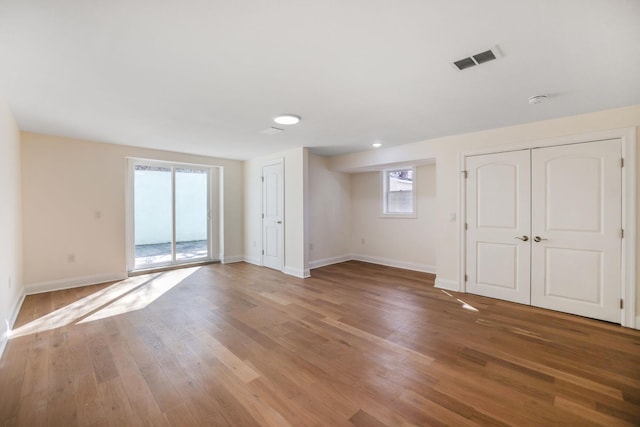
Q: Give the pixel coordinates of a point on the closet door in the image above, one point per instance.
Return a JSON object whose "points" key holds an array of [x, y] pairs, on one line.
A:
{"points": [[498, 225], [576, 222]]}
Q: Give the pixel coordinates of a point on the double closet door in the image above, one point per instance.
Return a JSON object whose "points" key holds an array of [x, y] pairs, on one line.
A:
{"points": [[544, 227]]}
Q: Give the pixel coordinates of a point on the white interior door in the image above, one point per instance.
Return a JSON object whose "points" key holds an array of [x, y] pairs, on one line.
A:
{"points": [[272, 216], [576, 224], [498, 225]]}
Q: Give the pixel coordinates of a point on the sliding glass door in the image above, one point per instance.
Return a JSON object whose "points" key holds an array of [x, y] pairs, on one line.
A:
{"points": [[172, 214]]}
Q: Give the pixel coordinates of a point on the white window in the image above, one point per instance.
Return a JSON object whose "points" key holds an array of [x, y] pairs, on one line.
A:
{"points": [[398, 193]]}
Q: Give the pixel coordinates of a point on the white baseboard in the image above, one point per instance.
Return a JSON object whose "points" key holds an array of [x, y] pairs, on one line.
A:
{"points": [[232, 258], [637, 325], [74, 282], [425, 268], [449, 285], [255, 260], [4, 339], [297, 272], [329, 261]]}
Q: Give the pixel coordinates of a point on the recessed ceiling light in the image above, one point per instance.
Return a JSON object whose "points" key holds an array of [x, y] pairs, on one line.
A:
{"points": [[376, 145], [537, 99], [287, 119]]}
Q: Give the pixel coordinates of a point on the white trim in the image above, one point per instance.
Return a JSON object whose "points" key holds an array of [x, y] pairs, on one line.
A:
{"points": [[74, 282], [232, 258], [129, 216], [629, 219], [255, 260], [425, 268], [297, 272], [628, 137], [4, 339], [462, 220], [219, 203], [637, 325], [623, 133], [329, 261], [449, 285]]}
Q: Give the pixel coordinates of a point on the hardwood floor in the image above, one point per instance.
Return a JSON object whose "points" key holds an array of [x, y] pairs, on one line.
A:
{"points": [[355, 345]]}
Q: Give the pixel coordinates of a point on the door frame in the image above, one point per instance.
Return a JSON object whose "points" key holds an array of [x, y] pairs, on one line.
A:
{"points": [[278, 161], [214, 217], [629, 190]]}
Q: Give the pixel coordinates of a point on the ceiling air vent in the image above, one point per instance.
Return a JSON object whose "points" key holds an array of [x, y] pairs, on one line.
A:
{"points": [[477, 59], [271, 131], [485, 56], [464, 63]]}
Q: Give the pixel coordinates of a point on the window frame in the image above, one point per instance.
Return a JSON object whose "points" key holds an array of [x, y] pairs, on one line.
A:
{"points": [[384, 175]]}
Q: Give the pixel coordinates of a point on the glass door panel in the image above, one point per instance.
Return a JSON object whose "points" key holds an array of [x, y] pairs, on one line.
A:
{"points": [[192, 213], [153, 215]]}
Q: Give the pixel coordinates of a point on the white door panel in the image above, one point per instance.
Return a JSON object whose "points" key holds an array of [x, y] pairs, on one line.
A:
{"points": [[577, 211], [498, 218], [497, 265], [583, 283], [273, 216]]}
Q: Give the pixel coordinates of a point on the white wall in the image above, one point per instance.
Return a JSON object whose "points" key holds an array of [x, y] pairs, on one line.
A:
{"points": [[295, 207], [329, 213], [11, 278], [402, 242], [66, 181], [447, 152]]}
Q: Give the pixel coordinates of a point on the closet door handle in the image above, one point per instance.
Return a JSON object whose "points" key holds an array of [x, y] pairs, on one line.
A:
{"points": [[523, 238], [538, 239]]}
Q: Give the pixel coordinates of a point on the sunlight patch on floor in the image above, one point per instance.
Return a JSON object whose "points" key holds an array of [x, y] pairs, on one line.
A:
{"points": [[464, 304], [134, 293], [142, 296], [467, 306]]}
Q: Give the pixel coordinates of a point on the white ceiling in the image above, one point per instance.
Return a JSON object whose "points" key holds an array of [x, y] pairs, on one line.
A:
{"points": [[206, 76]]}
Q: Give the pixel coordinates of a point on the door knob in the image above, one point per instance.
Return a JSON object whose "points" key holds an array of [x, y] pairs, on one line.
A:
{"points": [[538, 239], [523, 238], [279, 222]]}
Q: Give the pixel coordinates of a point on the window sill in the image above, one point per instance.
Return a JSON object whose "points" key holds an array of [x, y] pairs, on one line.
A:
{"points": [[408, 216]]}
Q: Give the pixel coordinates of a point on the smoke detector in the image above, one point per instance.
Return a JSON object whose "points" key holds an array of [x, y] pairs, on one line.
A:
{"points": [[537, 99]]}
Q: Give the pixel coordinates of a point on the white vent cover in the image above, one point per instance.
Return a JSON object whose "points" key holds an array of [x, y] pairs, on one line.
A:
{"points": [[477, 59], [271, 131]]}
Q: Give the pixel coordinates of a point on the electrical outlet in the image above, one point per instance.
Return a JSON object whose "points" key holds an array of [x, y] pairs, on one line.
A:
{"points": [[98, 214], [71, 257], [363, 241], [310, 246]]}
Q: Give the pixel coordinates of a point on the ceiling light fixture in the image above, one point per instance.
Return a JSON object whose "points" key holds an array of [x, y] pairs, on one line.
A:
{"points": [[376, 145], [287, 119], [537, 99]]}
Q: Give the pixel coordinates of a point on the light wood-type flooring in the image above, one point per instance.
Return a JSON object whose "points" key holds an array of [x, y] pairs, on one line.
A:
{"points": [[354, 345]]}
